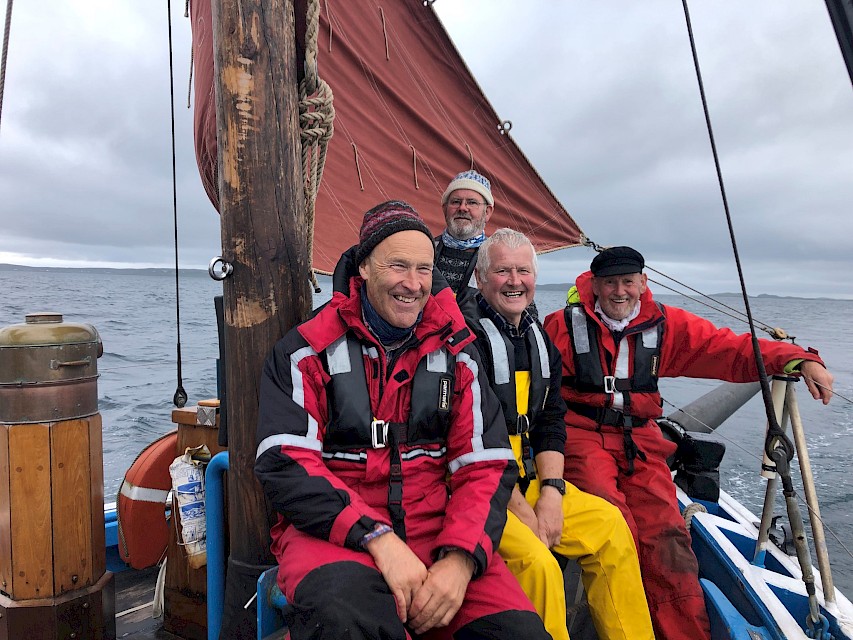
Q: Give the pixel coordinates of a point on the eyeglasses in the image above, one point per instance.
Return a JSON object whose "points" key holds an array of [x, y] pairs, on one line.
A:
{"points": [[456, 203]]}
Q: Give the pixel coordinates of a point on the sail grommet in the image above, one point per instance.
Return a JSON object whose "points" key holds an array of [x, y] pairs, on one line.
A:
{"points": [[225, 268], [428, 3], [504, 127]]}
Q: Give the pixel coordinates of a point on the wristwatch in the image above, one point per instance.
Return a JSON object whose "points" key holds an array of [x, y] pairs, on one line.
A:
{"points": [[558, 483]]}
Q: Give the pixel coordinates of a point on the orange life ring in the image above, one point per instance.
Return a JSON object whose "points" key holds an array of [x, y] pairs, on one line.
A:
{"points": [[143, 531]]}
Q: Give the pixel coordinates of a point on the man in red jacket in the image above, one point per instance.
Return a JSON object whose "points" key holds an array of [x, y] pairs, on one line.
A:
{"points": [[368, 411], [616, 341]]}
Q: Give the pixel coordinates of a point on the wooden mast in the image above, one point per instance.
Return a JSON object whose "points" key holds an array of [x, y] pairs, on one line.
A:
{"points": [[264, 239]]}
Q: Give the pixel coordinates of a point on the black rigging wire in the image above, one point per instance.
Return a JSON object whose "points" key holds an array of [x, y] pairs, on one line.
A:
{"points": [[774, 431], [6, 33], [180, 397]]}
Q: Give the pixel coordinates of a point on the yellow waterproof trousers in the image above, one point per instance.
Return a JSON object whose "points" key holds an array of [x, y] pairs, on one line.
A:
{"points": [[596, 535]]}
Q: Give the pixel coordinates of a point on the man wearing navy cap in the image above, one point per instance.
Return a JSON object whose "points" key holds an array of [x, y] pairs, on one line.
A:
{"points": [[616, 342]]}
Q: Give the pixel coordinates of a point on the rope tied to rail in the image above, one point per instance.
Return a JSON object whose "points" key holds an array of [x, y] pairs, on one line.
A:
{"points": [[316, 123]]}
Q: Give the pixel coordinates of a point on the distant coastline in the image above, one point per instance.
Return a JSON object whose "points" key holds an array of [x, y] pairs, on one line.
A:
{"points": [[564, 286], [195, 273]]}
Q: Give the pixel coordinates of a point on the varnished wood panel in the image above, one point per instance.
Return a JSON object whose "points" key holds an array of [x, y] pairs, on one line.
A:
{"points": [[186, 615], [185, 592], [29, 471], [72, 504], [5, 513], [96, 484]]}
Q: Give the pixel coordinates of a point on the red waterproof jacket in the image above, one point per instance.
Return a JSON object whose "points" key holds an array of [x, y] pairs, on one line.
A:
{"points": [[338, 493], [691, 346]]}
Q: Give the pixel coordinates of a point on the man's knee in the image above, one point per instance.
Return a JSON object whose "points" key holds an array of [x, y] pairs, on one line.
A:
{"points": [[537, 563], [343, 600], [506, 625]]}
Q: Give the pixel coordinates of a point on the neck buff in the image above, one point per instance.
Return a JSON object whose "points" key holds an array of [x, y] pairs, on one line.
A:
{"points": [[616, 325], [387, 333], [471, 243]]}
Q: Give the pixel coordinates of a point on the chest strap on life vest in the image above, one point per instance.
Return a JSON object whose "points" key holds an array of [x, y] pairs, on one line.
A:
{"points": [[396, 436]]}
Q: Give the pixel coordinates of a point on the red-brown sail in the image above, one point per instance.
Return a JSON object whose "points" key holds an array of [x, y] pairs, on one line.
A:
{"points": [[406, 122]]}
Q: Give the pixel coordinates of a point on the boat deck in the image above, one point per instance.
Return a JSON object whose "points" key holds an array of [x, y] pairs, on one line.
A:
{"points": [[134, 602]]}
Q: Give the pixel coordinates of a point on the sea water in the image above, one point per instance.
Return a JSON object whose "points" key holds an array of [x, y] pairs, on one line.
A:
{"points": [[135, 316]]}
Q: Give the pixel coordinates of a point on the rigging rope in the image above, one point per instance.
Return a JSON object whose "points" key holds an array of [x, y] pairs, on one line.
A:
{"points": [[180, 397], [316, 121], [737, 444], [777, 434], [777, 445], [6, 33]]}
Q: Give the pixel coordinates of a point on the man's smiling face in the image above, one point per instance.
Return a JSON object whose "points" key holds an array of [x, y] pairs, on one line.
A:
{"points": [[619, 295], [398, 276], [509, 283]]}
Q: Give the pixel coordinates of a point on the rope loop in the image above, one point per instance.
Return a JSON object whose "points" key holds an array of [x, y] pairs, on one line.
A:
{"points": [[691, 510]]}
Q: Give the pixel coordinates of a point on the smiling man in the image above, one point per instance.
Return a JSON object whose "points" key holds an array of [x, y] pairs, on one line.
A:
{"points": [[467, 203], [369, 412], [545, 512], [616, 342]]}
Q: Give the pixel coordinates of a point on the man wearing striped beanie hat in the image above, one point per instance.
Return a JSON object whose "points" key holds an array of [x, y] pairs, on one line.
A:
{"points": [[369, 413], [468, 204]]}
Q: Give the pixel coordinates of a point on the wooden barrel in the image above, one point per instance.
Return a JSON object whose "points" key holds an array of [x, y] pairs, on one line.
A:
{"points": [[53, 578]]}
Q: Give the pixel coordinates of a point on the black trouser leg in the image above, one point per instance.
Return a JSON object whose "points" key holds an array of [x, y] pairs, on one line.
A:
{"points": [[343, 601], [507, 625]]}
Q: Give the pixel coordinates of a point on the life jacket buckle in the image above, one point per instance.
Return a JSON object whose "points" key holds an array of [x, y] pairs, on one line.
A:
{"points": [[610, 384], [379, 434], [522, 424]]}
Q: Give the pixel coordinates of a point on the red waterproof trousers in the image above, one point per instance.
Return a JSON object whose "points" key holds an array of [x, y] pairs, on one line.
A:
{"points": [[327, 585], [595, 463]]}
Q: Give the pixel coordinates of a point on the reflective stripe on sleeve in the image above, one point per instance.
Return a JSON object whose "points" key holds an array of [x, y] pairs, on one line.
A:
{"points": [[282, 439], [480, 456]]}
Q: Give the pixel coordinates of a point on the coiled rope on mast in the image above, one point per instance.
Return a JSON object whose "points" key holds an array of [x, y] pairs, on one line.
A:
{"points": [[316, 123]]}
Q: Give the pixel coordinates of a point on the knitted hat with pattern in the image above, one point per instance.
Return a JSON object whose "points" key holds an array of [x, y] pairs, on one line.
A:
{"points": [[386, 219], [473, 181]]}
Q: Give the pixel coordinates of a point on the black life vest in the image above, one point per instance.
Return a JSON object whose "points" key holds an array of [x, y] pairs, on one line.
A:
{"points": [[590, 378], [502, 373], [501, 353], [351, 422]]}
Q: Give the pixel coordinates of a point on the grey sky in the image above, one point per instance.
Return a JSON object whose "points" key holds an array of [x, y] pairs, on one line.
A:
{"points": [[603, 101]]}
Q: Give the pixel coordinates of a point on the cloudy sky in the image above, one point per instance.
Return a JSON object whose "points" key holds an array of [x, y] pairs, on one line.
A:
{"points": [[603, 100]]}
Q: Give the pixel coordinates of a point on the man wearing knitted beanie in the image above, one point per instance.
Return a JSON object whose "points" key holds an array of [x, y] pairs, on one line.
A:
{"points": [[385, 454], [468, 204]]}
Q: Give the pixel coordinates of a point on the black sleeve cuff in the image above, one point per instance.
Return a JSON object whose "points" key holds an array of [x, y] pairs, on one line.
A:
{"points": [[361, 528]]}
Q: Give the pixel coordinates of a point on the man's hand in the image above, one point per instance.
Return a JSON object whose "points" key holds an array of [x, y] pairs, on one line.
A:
{"points": [[441, 595], [400, 567], [818, 380], [519, 506], [549, 515]]}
